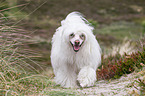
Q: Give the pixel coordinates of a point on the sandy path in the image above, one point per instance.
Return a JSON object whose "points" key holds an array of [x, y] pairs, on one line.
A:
{"points": [[118, 87]]}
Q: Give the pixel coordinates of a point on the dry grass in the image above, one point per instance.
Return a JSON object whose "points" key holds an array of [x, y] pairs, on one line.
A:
{"points": [[17, 75]]}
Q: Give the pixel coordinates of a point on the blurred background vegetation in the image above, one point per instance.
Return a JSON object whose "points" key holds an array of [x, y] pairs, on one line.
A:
{"points": [[117, 23], [113, 20]]}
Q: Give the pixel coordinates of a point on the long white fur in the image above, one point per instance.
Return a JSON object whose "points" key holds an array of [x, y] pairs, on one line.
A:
{"points": [[71, 67]]}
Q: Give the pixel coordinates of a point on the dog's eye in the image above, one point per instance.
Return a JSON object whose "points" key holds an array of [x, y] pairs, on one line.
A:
{"points": [[82, 36], [72, 35]]}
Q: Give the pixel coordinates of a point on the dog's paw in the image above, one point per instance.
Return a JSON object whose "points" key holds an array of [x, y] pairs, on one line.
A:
{"points": [[87, 77]]}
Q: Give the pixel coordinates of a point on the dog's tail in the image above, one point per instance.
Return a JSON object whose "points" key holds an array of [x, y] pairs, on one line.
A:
{"points": [[75, 17]]}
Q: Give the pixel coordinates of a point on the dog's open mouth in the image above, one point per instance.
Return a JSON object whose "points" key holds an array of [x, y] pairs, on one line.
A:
{"points": [[76, 46]]}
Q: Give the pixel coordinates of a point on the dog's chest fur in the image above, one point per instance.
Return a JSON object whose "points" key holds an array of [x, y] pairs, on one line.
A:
{"points": [[77, 60]]}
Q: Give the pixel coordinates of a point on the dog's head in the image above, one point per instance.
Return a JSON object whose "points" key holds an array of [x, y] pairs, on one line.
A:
{"points": [[76, 40], [76, 30]]}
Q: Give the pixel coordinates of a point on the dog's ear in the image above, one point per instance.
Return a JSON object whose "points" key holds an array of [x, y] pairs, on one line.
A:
{"points": [[60, 31]]}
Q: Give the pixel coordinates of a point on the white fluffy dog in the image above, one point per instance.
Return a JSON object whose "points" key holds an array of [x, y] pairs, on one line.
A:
{"points": [[75, 53]]}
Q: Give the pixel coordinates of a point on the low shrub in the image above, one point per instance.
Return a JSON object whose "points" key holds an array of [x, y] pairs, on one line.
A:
{"points": [[116, 66]]}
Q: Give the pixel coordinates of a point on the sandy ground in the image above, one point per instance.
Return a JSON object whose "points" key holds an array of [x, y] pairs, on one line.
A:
{"points": [[118, 87], [124, 86]]}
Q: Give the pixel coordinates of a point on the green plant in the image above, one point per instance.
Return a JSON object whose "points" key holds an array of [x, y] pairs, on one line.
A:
{"points": [[143, 24], [142, 85], [60, 93], [116, 66], [139, 83], [93, 23]]}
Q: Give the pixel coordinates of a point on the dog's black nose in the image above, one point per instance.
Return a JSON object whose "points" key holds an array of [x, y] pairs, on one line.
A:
{"points": [[77, 42]]}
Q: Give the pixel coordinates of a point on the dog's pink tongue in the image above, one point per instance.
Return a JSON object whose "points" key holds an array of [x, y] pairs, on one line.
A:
{"points": [[76, 47]]}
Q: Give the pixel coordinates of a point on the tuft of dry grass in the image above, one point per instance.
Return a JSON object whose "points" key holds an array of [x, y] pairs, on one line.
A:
{"points": [[17, 75], [126, 47]]}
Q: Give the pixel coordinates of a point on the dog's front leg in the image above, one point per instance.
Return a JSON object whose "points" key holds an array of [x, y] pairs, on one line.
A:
{"points": [[87, 76], [66, 77]]}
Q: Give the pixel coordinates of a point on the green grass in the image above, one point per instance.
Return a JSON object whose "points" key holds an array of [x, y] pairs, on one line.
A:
{"points": [[117, 33], [59, 93], [120, 30]]}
